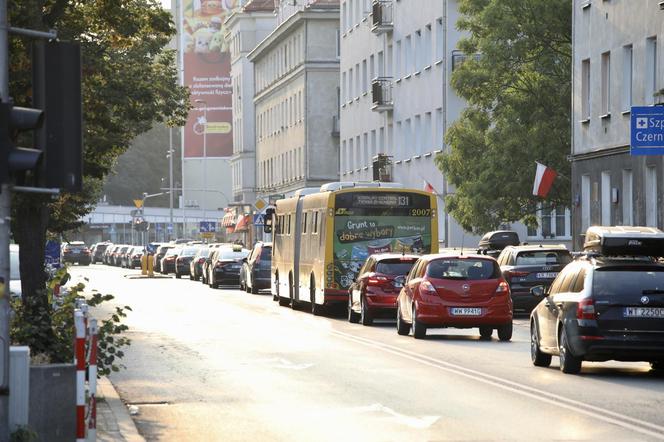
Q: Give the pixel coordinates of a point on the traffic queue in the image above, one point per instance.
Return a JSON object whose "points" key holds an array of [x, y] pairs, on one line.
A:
{"points": [[605, 303]]}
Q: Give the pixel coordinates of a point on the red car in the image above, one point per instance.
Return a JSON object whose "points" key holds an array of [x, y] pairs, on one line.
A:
{"points": [[455, 290], [374, 292]]}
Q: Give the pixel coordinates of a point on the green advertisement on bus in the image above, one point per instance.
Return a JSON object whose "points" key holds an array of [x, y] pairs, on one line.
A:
{"points": [[358, 236]]}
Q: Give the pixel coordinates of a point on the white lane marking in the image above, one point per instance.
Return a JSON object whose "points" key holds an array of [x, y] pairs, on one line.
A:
{"points": [[283, 363], [654, 430], [414, 422]]}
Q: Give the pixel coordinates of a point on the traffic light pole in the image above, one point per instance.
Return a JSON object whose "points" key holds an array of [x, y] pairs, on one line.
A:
{"points": [[5, 213]]}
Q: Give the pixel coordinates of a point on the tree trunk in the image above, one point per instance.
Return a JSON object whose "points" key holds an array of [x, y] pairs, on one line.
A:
{"points": [[29, 220]]}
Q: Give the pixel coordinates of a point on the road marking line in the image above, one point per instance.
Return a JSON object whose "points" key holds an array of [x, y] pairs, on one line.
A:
{"points": [[605, 415], [413, 422]]}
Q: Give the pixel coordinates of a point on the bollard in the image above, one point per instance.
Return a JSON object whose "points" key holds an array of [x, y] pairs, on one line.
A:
{"points": [[150, 266], [92, 381], [79, 360], [144, 264]]}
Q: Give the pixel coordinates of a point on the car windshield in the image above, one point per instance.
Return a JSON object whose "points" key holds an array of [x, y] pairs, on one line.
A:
{"points": [[173, 251], [164, 249], [543, 257], [75, 247], [395, 266], [189, 252], [231, 254], [203, 253], [612, 281], [463, 268]]}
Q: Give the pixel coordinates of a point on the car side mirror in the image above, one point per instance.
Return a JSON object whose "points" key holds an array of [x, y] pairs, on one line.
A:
{"points": [[538, 291]]}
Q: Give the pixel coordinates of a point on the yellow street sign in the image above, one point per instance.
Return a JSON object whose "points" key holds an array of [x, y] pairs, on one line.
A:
{"points": [[138, 203], [207, 235], [260, 204], [218, 128]]}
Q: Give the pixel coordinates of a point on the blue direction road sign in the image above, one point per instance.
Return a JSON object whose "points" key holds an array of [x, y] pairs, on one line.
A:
{"points": [[52, 253], [647, 130], [259, 219], [207, 226]]}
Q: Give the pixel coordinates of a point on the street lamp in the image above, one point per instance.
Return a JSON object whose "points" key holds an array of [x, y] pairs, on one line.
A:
{"points": [[204, 122]]}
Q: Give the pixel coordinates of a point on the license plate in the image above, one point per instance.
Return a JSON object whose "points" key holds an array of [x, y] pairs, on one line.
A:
{"points": [[643, 312], [466, 311], [549, 275]]}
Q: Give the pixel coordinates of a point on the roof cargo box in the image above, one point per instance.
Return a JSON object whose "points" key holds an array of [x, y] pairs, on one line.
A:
{"points": [[624, 241], [498, 240]]}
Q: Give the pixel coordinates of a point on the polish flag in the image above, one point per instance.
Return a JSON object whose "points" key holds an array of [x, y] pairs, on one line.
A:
{"points": [[428, 187], [544, 177]]}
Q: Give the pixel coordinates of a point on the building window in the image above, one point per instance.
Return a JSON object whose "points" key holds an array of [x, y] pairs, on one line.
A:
{"points": [[418, 51], [397, 61], [554, 222], [381, 64], [366, 151], [408, 55], [606, 83], [426, 145], [627, 208], [351, 154], [440, 52], [344, 17], [338, 40], [357, 160], [351, 89], [373, 145], [438, 142], [389, 63], [651, 196], [585, 202], [606, 199], [651, 70], [427, 45], [417, 127], [628, 68], [585, 90], [372, 67], [365, 77]]}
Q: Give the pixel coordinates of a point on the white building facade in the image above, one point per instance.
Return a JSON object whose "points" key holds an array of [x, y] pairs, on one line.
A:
{"points": [[397, 57], [245, 30], [296, 77], [617, 64]]}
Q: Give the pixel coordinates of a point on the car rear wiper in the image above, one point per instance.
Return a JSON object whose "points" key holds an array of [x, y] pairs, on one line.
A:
{"points": [[652, 292]]}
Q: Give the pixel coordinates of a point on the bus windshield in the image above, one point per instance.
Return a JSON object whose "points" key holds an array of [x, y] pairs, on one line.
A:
{"points": [[378, 222]]}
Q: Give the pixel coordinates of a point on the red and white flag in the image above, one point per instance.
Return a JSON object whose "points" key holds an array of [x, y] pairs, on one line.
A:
{"points": [[428, 187], [544, 177]]}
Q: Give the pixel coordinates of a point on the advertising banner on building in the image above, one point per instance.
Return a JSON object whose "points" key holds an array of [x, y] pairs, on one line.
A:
{"points": [[206, 71]]}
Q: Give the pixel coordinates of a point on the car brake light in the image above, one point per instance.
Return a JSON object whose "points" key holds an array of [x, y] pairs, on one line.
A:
{"points": [[503, 288], [201, 260], [586, 309], [426, 288], [376, 280], [514, 273]]}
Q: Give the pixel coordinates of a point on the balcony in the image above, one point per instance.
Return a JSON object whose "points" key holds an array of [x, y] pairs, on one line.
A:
{"points": [[381, 12], [381, 94]]}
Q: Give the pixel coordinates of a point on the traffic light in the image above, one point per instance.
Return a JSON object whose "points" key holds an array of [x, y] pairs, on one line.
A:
{"points": [[56, 68], [17, 160]]}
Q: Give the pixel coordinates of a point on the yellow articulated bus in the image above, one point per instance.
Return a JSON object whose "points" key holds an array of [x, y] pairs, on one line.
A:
{"points": [[322, 238]]}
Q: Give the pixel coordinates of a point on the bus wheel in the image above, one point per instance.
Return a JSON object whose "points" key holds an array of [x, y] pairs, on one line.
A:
{"points": [[352, 316], [365, 316], [316, 309], [275, 296]]}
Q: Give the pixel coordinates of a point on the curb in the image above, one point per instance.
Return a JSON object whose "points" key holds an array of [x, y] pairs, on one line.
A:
{"points": [[126, 428]]}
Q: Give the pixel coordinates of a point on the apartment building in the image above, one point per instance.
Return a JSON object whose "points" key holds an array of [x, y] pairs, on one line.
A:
{"points": [[244, 30], [396, 60], [616, 46], [296, 78]]}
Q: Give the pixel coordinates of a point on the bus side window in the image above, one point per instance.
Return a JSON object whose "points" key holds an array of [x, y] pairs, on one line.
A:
{"points": [[315, 222], [304, 223], [288, 225]]}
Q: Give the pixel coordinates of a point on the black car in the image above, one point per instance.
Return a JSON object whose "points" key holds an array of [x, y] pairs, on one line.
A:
{"points": [[224, 266], [76, 252], [524, 267], [255, 272], [196, 264], [98, 253], [183, 260], [492, 243], [608, 304], [161, 252]]}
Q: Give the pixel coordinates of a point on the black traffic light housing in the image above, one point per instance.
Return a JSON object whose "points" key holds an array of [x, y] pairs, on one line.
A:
{"points": [[17, 160]]}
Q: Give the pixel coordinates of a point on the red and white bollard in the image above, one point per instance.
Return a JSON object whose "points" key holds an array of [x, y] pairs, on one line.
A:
{"points": [[92, 381], [79, 360]]}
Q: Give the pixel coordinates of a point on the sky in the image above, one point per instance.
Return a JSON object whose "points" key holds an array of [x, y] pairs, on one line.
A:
{"points": [[166, 4]]}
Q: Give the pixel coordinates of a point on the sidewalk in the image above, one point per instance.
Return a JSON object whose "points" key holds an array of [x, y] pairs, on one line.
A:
{"points": [[113, 420]]}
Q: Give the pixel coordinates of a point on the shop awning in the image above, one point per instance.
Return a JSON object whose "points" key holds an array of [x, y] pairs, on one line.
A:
{"points": [[229, 219], [243, 223]]}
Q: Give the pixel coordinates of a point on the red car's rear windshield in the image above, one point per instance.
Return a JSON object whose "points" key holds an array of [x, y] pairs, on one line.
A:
{"points": [[463, 268], [395, 266]]}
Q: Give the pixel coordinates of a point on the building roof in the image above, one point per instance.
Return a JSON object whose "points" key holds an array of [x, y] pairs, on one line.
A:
{"points": [[259, 6], [324, 3]]}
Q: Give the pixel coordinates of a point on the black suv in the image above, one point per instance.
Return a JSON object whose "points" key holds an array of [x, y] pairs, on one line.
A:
{"points": [[526, 266], [492, 243], [608, 304]]}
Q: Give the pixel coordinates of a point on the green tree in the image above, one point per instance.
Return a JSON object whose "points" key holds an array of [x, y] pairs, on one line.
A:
{"points": [[129, 83], [518, 91]]}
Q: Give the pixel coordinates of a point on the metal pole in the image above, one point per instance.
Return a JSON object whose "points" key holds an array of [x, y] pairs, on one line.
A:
{"points": [[205, 163], [170, 174], [5, 213]]}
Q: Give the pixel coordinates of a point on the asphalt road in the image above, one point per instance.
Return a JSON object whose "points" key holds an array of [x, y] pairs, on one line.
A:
{"points": [[224, 365]]}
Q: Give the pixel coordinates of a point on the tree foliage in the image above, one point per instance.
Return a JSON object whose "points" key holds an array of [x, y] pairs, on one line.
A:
{"points": [[518, 91], [129, 83]]}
